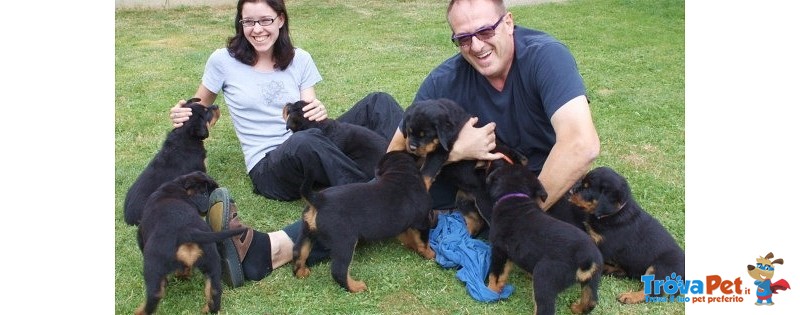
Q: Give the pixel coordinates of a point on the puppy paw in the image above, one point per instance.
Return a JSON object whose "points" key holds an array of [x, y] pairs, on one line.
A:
{"points": [[302, 273], [498, 288], [582, 307], [140, 310], [614, 271], [428, 253], [631, 297], [356, 286], [184, 274]]}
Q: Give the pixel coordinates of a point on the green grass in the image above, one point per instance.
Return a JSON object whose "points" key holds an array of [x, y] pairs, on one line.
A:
{"points": [[631, 54]]}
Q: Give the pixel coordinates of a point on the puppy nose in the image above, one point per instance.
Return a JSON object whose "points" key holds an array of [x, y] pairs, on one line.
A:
{"points": [[412, 148]]}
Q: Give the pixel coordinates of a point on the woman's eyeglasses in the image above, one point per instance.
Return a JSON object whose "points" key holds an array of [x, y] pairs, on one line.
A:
{"points": [[262, 22]]}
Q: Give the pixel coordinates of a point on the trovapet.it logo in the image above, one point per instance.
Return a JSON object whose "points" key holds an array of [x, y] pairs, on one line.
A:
{"points": [[715, 289]]}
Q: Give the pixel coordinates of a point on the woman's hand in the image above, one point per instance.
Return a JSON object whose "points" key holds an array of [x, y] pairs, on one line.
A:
{"points": [[179, 114], [315, 111]]}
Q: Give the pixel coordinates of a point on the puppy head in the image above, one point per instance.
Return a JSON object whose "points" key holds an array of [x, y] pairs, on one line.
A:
{"points": [[198, 186], [202, 118], [510, 153], [506, 178], [430, 123], [601, 192], [293, 115], [510, 156], [396, 162]]}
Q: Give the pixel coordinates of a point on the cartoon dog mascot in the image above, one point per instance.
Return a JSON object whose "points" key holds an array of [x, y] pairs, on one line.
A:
{"points": [[763, 272]]}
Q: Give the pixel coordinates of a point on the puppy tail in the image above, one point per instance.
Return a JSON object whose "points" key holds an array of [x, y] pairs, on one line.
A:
{"points": [[212, 237], [307, 189], [590, 263]]}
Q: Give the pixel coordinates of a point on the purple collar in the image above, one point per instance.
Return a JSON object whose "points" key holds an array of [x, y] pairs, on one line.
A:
{"points": [[512, 195]]}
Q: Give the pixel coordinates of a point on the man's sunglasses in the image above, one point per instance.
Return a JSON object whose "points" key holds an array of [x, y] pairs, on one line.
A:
{"points": [[464, 40]]}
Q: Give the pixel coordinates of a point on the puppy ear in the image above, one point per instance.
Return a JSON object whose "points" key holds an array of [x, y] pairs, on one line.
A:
{"points": [[285, 112], [453, 118], [215, 114], [445, 129], [778, 261], [442, 134], [623, 194], [513, 154], [211, 184], [403, 128], [490, 175], [538, 188], [199, 124], [406, 116], [199, 183]]}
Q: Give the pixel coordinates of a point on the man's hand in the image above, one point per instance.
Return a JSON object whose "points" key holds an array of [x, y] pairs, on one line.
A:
{"points": [[474, 143]]}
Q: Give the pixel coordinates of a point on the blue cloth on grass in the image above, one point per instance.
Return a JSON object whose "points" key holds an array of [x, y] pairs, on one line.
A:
{"points": [[455, 248]]}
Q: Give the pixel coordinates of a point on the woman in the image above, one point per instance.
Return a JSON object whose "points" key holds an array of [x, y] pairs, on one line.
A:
{"points": [[259, 72]]}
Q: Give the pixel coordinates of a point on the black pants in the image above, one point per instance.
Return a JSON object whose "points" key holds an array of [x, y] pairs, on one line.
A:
{"points": [[308, 153]]}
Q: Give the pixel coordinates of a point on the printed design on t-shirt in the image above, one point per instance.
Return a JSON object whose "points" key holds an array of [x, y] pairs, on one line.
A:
{"points": [[272, 92]]}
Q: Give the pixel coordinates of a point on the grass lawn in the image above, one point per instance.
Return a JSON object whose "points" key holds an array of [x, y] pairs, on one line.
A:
{"points": [[631, 55]]}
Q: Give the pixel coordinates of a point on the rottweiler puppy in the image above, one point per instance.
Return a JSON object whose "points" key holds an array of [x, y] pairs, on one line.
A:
{"points": [[567, 211], [362, 145], [633, 243], [174, 238], [472, 198], [555, 253], [430, 128], [182, 152], [396, 204]]}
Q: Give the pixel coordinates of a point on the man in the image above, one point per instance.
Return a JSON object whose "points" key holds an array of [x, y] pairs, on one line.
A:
{"points": [[526, 85]]}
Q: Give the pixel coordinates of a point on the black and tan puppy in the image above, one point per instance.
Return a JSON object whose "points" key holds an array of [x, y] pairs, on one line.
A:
{"points": [[396, 204], [555, 253], [472, 199], [174, 238], [430, 128], [182, 152], [633, 243], [362, 145]]}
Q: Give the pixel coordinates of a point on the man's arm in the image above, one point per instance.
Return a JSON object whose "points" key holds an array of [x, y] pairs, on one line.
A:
{"points": [[577, 146], [398, 142]]}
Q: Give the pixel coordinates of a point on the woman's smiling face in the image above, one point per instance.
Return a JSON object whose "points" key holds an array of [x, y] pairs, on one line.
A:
{"points": [[262, 37]]}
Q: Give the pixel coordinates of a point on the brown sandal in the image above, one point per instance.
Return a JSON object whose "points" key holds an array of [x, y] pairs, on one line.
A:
{"points": [[222, 215]]}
